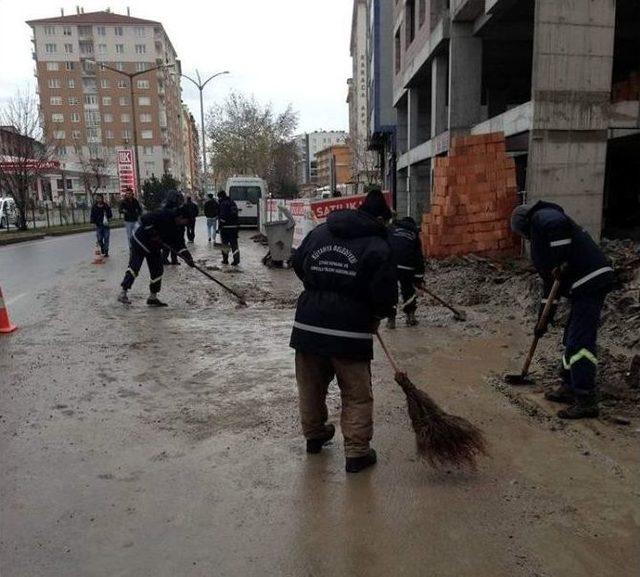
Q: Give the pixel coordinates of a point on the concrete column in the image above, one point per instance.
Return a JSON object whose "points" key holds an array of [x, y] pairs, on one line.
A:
{"points": [[413, 109], [439, 94], [402, 193], [571, 86], [402, 127], [465, 77]]}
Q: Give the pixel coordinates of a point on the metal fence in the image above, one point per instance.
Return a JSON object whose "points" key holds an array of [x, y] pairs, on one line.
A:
{"points": [[48, 215]]}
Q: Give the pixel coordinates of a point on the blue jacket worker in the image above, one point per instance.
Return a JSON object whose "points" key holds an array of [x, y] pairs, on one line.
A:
{"points": [[157, 229], [349, 286], [404, 238], [560, 249], [100, 216], [229, 227]]}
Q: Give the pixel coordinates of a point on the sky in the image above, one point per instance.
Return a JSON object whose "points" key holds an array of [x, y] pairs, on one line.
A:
{"points": [[280, 51]]}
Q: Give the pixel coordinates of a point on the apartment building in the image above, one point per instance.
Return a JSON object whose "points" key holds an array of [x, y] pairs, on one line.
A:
{"points": [[334, 166], [308, 145], [191, 146], [558, 79], [90, 102]]}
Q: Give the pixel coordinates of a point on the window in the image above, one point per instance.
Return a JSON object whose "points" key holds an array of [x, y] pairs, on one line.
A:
{"points": [[149, 168], [75, 134], [118, 30], [125, 118], [55, 101], [68, 49], [108, 118], [69, 65], [92, 134], [410, 20], [126, 135], [145, 117], [69, 184], [141, 49], [120, 66], [108, 134], [54, 83], [73, 101], [144, 101], [102, 48], [147, 134], [52, 66], [71, 83], [141, 66], [147, 150], [119, 48], [50, 30], [140, 31], [89, 84], [50, 48], [60, 183], [92, 117], [122, 83], [104, 83], [106, 101], [59, 134], [75, 117], [90, 99], [101, 31], [250, 193], [123, 101], [60, 152], [144, 84], [84, 30], [397, 50], [57, 118]]}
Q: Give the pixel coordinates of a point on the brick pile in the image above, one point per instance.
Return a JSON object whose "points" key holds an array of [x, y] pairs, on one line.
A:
{"points": [[473, 194], [626, 90]]}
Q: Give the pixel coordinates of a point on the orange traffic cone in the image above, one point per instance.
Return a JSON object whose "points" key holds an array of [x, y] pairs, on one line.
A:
{"points": [[5, 323], [98, 257]]}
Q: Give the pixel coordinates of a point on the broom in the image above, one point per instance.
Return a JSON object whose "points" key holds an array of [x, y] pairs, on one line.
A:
{"points": [[441, 438]]}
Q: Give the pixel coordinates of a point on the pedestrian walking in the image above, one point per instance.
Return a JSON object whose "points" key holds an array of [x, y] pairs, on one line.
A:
{"points": [[100, 216], [404, 238], [228, 216], [562, 250], [192, 211], [349, 286], [211, 214], [174, 200], [131, 211], [156, 229]]}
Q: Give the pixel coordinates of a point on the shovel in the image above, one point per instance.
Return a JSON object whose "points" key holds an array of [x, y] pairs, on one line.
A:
{"points": [[522, 378], [458, 315]]}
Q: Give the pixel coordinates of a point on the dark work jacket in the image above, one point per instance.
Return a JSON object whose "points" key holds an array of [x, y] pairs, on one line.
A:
{"points": [[349, 281], [211, 208], [98, 213], [404, 238], [130, 209], [192, 210], [157, 228], [228, 214], [557, 240]]}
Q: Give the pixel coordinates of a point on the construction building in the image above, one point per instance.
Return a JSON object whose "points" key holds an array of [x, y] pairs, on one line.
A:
{"points": [[559, 80], [334, 166], [87, 108], [308, 145]]}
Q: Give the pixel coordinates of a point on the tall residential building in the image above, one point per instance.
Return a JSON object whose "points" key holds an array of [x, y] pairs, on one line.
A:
{"points": [[308, 146], [87, 108], [191, 145], [556, 78]]}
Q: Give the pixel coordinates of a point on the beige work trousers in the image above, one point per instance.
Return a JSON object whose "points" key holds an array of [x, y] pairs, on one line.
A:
{"points": [[313, 374]]}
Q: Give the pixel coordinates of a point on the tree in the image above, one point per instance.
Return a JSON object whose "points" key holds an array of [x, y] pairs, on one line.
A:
{"points": [[96, 171], [25, 153], [249, 138], [154, 191], [364, 163]]}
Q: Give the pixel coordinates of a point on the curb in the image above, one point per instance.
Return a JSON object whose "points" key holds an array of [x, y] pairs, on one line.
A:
{"points": [[39, 236]]}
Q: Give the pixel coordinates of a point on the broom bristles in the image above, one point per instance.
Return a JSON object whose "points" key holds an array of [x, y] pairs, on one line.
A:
{"points": [[441, 439]]}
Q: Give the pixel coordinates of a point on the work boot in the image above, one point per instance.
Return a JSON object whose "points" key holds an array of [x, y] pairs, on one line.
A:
{"points": [[411, 320], [584, 407], [314, 446], [391, 323], [124, 298], [357, 464], [154, 301], [561, 394]]}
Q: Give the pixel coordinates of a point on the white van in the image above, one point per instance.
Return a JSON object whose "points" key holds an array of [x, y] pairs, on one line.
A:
{"points": [[8, 212], [247, 191]]}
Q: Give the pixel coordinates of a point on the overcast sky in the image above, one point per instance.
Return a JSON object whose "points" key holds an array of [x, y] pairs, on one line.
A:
{"points": [[281, 51]]}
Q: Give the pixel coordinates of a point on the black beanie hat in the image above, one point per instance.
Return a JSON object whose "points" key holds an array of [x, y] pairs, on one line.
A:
{"points": [[375, 205]]}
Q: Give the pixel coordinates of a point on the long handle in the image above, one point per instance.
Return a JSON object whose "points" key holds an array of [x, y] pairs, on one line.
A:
{"points": [[442, 302], [542, 323], [387, 352]]}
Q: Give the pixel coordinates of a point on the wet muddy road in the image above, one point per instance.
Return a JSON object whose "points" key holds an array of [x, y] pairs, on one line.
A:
{"points": [[141, 442]]}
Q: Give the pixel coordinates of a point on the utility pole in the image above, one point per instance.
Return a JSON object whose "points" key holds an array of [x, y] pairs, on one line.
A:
{"points": [[200, 85]]}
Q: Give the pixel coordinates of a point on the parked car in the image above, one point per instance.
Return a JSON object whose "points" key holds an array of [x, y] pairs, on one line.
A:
{"points": [[8, 212]]}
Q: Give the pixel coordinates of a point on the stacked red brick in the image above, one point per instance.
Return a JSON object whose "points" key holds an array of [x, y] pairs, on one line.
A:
{"points": [[628, 89], [472, 198]]}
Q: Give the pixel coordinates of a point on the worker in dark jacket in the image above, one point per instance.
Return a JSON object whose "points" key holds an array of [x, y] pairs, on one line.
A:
{"points": [[228, 217], [192, 211], [211, 214], [101, 214], [155, 230], [173, 200], [404, 238], [349, 286], [560, 249], [131, 210]]}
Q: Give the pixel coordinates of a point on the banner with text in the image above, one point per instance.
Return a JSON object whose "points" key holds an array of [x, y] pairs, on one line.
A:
{"points": [[126, 170]]}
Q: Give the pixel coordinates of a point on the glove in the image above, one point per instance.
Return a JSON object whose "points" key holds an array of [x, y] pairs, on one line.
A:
{"points": [[186, 256]]}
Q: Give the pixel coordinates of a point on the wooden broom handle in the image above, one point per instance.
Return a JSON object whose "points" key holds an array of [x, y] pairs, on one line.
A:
{"points": [[389, 355]]}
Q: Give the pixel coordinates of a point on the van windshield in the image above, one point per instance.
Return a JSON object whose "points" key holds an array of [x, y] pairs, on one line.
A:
{"points": [[248, 193]]}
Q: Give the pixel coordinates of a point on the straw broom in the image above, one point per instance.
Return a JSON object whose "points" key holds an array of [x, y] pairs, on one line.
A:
{"points": [[441, 438]]}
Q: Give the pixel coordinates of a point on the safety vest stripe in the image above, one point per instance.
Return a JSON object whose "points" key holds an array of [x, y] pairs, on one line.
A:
{"points": [[590, 276], [413, 298], [583, 354], [155, 280], [332, 332], [405, 267], [132, 272], [562, 242], [135, 237], [565, 365]]}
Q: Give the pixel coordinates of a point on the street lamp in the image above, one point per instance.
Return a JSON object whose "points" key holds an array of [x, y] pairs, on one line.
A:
{"points": [[131, 76], [201, 86]]}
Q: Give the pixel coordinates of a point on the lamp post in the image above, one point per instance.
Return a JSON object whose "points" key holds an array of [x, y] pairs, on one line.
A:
{"points": [[200, 85], [131, 76]]}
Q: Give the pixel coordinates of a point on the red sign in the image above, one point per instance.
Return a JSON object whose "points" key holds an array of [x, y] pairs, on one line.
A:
{"points": [[30, 165], [126, 170], [321, 208]]}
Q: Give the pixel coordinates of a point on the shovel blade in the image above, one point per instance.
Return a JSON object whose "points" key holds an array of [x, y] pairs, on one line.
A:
{"points": [[517, 379]]}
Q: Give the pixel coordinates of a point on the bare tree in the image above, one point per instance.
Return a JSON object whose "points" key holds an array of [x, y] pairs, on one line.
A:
{"points": [[364, 162], [96, 171], [25, 153]]}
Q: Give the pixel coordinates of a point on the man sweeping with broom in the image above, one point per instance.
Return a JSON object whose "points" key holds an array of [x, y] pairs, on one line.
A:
{"points": [[349, 286]]}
